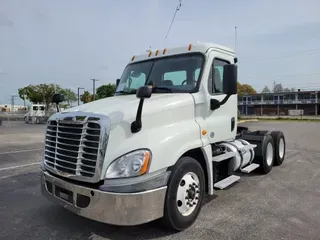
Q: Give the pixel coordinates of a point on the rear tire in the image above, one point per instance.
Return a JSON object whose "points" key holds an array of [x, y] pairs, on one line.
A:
{"points": [[185, 194], [280, 147], [266, 159]]}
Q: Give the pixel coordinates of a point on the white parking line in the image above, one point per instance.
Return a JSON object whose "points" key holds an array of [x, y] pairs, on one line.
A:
{"points": [[20, 151], [19, 166]]}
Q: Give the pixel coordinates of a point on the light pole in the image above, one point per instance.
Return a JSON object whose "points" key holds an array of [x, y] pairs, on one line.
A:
{"points": [[94, 87], [12, 102], [79, 94]]}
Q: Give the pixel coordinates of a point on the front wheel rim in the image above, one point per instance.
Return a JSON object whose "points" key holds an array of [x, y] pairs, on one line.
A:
{"points": [[188, 194]]}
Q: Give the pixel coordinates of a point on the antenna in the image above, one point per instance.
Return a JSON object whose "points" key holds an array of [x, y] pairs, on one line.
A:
{"points": [[172, 21], [235, 38]]}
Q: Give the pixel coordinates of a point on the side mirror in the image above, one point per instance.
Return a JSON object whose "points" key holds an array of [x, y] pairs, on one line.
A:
{"points": [[117, 82], [144, 92], [57, 98], [230, 79]]}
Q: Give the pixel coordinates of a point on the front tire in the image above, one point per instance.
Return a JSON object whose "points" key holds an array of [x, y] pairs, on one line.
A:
{"points": [[186, 189]]}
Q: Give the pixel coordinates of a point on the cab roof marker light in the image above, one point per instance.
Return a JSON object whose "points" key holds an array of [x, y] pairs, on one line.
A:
{"points": [[133, 57], [150, 53], [157, 52], [164, 51], [190, 47]]}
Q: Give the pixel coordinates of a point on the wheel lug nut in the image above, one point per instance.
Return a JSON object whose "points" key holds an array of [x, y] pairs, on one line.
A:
{"points": [[197, 198], [182, 183], [197, 191]]}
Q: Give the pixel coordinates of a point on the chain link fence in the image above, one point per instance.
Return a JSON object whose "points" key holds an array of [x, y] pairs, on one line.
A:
{"points": [[18, 116]]}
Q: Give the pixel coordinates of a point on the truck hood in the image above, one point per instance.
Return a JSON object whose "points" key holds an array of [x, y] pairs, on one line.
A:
{"points": [[124, 107]]}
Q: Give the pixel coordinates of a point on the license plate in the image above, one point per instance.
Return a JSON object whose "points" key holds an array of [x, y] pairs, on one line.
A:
{"points": [[64, 196]]}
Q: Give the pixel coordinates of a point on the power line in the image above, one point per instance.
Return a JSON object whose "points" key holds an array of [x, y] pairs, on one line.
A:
{"points": [[172, 21], [288, 75], [283, 55]]}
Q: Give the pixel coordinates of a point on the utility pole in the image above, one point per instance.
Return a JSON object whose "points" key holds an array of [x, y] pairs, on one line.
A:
{"points": [[94, 87], [79, 94], [24, 99], [12, 102]]}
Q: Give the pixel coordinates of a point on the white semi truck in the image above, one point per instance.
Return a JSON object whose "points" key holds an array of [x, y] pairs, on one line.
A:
{"points": [[167, 138], [36, 114]]}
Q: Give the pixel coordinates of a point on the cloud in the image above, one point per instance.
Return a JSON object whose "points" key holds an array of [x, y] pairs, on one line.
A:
{"points": [[69, 42]]}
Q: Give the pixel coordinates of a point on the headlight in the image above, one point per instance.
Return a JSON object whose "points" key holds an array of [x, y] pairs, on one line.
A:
{"points": [[130, 165]]}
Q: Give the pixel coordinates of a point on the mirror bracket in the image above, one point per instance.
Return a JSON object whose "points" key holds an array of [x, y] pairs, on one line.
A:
{"points": [[142, 93]]}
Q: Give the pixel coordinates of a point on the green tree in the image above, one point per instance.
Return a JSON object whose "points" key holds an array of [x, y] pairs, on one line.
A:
{"points": [[41, 93], [266, 89], [69, 95], [85, 97], [238, 86], [29, 93], [105, 91], [245, 89]]}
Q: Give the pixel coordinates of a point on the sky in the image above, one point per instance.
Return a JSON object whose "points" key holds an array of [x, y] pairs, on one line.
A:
{"points": [[70, 42]]}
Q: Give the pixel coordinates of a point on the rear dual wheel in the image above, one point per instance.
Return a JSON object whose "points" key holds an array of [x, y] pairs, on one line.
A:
{"points": [[280, 149], [266, 158], [272, 151]]}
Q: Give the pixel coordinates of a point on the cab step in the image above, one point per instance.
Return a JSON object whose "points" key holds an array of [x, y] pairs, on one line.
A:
{"points": [[226, 182], [223, 156], [250, 168]]}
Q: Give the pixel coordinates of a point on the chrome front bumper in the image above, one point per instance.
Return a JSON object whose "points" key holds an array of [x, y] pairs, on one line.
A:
{"points": [[124, 209]]}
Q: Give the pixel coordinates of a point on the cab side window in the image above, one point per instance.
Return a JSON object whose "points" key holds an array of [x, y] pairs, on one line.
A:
{"points": [[215, 83]]}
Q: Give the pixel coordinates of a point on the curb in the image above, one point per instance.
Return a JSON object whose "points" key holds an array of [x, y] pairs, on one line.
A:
{"points": [[249, 120]]}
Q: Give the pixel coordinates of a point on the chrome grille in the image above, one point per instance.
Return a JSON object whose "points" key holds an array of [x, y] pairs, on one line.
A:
{"points": [[73, 146]]}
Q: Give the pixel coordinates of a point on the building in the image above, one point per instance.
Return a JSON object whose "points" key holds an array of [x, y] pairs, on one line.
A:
{"points": [[9, 108], [280, 103]]}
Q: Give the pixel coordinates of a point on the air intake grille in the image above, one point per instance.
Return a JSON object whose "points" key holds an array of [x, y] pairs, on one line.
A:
{"points": [[72, 145]]}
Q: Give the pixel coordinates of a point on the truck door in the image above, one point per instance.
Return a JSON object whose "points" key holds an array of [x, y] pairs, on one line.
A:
{"points": [[221, 123]]}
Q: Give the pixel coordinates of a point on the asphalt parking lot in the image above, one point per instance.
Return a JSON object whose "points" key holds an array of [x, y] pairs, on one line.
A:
{"points": [[285, 204]]}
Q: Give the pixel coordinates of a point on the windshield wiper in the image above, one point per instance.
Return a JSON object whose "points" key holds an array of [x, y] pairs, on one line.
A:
{"points": [[165, 89], [127, 92]]}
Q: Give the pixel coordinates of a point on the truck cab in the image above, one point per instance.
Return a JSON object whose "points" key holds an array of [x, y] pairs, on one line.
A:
{"points": [[36, 113], [168, 137]]}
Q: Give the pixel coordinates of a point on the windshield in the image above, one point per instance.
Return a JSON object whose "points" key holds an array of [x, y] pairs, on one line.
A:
{"points": [[36, 108], [172, 74]]}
